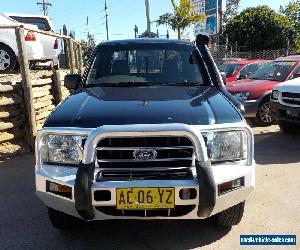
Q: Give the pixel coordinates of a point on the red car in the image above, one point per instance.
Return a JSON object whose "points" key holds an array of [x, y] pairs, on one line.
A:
{"points": [[238, 69], [254, 92]]}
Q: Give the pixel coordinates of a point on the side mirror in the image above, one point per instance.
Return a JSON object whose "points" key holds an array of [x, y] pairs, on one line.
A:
{"points": [[297, 74], [223, 75], [241, 77], [72, 81]]}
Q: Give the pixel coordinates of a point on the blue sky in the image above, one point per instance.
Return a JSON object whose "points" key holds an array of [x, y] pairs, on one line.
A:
{"points": [[123, 14]]}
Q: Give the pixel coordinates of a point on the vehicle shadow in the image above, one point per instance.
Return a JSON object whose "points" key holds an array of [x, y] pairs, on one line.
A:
{"points": [[124, 234], [24, 223], [276, 148]]}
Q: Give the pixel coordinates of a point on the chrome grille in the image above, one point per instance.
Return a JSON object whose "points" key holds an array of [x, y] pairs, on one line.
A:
{"points": [[144, 174], [291, 98], [170, 152]]}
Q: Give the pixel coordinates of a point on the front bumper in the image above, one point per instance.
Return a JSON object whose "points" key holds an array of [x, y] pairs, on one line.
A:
{"points": [[34, 50], [221, 173], [206, 180], [251, 107], [279, 111]]}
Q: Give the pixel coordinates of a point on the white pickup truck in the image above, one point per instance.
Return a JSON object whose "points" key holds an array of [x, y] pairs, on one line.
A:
{"points": [[40, 47], [285, 105]]}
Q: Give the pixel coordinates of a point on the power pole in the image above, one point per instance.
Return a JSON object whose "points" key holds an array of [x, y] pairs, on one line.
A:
{"points": [[136, 31], [217, 21], [106, 21], [87, 27], [45, 6], [147, 3]]}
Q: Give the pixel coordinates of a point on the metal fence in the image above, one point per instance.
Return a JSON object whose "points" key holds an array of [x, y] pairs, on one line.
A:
{"points": [[223, 52]]}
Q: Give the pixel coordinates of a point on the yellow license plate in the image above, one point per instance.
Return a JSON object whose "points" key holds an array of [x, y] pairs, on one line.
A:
{"points": [[145, 198]]}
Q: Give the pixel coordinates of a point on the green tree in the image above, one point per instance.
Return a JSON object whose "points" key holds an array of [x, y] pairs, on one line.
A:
{"points": [[87, 46], [231, 9], [261, 28], [292, 10], [182, 17]]}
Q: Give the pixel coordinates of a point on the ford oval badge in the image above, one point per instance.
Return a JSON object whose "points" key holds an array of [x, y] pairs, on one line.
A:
{"points": [[144, 154]]}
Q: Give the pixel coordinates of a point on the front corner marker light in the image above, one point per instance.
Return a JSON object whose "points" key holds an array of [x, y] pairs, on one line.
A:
{"points": [[58, 189], [230, 186]]}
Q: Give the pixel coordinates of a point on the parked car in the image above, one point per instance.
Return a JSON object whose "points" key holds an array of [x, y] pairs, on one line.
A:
{"points": [[47, 47], [151, 135], [285, 105], [8, 45], [237, 69], [50, 44], [254, 92]]}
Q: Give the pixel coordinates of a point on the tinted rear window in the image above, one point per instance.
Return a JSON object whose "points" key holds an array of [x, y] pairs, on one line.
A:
{"points": [[40, 22]]}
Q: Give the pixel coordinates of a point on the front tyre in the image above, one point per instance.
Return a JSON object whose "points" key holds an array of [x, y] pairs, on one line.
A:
{"points": [[264, 117], [61, 220], [288, 127], [231, 216]]}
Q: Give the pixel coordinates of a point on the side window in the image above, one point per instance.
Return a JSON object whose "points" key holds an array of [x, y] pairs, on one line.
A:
{"points": [[249, 69]]}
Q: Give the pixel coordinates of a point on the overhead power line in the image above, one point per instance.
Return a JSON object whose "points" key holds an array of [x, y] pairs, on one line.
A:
{"points": [[45, 6]]}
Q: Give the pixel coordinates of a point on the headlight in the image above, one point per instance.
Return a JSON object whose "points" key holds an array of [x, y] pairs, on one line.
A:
{"points": [[62, 149], [226, 146], [275, 94], [242, 96]]}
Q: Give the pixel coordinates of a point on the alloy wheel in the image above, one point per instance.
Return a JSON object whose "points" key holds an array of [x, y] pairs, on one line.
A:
{"points": [[5, 60], [265, 114]]}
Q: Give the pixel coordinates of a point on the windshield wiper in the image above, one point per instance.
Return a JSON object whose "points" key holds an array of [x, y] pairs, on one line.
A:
{"points": [[255, 78], [185, 83], [119, 84]]}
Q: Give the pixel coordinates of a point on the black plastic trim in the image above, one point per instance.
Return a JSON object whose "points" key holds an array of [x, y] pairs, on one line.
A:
{"points": [[82, 191], [207, 188]]}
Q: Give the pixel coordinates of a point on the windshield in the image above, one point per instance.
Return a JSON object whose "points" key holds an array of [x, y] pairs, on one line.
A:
{"points": [[274, 71], [144, 64], [229, 68]]}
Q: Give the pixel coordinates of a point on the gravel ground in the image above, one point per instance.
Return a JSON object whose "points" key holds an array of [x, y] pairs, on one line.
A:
{"points": [[11, 149], [273, 208]]}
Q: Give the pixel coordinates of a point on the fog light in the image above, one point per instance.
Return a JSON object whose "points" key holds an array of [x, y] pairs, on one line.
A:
{"points": [[188, 194], [59, 189], [230, 186]]}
